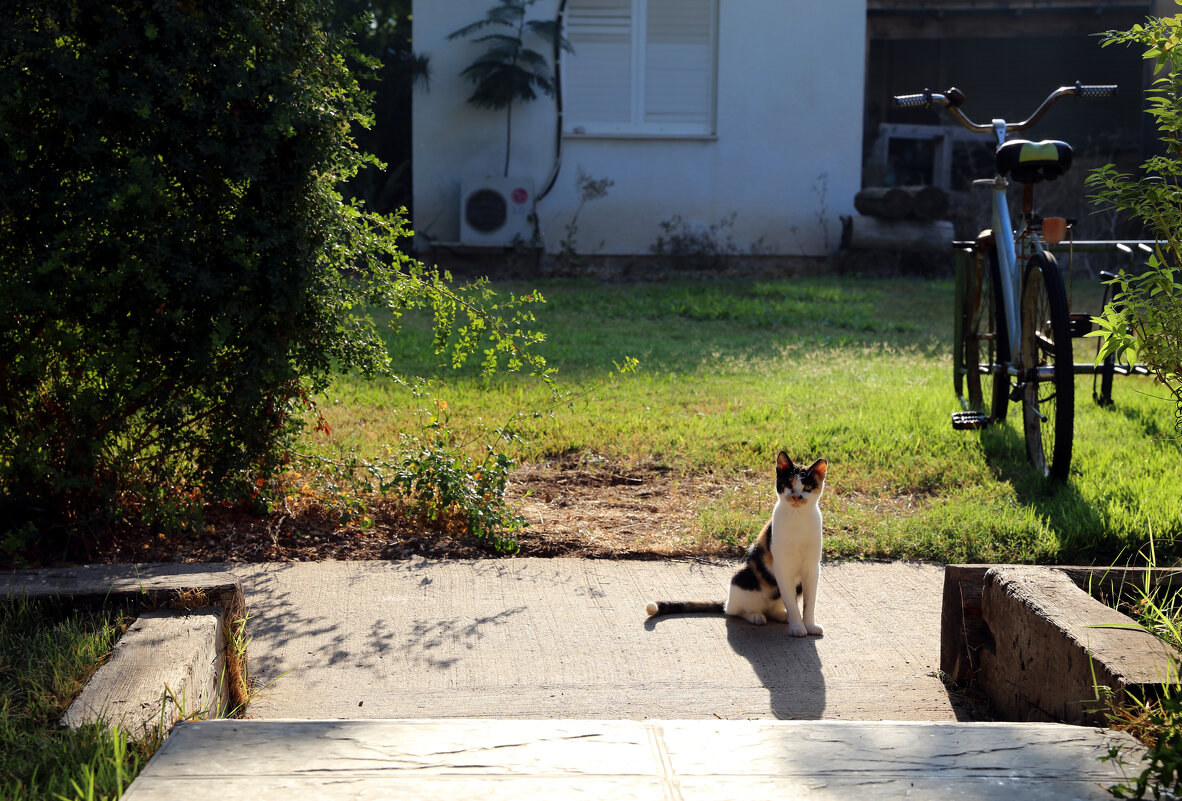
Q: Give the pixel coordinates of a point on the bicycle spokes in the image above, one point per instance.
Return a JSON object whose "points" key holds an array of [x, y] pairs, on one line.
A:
{"points": [[1047, 389]]}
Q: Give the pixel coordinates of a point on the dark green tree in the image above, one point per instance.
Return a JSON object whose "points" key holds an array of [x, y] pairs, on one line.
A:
{"points": [[509, 71], [381, 29], [179, 274]]}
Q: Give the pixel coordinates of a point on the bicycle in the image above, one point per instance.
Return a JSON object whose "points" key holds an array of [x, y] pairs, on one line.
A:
{"points": [[1013, 325]]}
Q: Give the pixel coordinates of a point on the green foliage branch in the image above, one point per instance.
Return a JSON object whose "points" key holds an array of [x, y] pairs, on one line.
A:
{"points": [[1143, 323], [179, 274]]}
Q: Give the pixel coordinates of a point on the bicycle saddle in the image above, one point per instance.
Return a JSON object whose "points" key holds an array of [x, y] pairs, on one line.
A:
{"points": [[1030, 162]]}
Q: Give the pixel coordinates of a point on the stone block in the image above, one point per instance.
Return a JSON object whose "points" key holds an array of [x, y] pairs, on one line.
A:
{"points": [[1053, 644], [168, 664]]}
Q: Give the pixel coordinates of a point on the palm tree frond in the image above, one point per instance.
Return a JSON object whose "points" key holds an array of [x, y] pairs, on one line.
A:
{"points": [[511, 41], [468, 30], [532, 60], [508, 71], [550, 31]]}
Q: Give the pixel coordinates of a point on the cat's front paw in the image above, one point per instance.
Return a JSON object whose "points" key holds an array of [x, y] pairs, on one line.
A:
{"points": [[756, 619], [816, 629], [797, 630]]}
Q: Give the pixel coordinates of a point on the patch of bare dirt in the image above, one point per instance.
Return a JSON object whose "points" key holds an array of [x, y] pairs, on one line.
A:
{"points": [[609, 510], [573, 507]]}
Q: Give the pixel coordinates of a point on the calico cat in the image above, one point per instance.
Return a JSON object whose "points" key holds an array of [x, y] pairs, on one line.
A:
{"points": [[787, 553]]}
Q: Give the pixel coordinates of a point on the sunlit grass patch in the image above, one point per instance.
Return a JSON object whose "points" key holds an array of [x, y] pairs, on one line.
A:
{"points": [[856, 371]]}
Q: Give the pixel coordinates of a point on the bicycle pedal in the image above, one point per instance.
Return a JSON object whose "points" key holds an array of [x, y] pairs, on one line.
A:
{"points": [[1081, 324], [963, 421]]}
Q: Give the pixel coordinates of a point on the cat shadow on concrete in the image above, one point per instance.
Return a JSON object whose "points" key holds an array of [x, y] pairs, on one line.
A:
{"points": [[788, 667]]}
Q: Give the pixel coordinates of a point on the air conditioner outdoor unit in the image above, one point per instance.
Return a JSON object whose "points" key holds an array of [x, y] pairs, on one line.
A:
{"points": [[496, 211]]}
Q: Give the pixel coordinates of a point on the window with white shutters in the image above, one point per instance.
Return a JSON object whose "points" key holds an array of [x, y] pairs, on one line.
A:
{"points": [[641, 67]]}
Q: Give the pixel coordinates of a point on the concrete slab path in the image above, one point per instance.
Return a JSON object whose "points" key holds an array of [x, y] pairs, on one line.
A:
{"points": [[545, 678], [659, 760], [569, 638]]}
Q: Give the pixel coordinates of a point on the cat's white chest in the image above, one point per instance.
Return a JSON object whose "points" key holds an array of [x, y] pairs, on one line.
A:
{"points": [[796, 535]]}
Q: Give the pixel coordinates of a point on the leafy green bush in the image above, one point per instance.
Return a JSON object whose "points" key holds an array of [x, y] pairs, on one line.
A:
{"points": [[179, 275], [1144, 324], [1144, 321], [438, 480]]}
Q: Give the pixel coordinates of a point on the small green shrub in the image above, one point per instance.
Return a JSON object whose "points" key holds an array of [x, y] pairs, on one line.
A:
{"points": [[589, 189], [437, 478], [439, 481], [1144, 324], [682, 245], [1156, 722], [1160, 724]]}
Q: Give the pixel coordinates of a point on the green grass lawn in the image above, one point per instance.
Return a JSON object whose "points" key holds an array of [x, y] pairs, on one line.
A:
{"points": [[856, 371], [47, 653]]}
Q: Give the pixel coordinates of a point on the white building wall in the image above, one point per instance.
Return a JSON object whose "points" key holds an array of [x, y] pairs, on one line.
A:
{"points": [[786, 160]]}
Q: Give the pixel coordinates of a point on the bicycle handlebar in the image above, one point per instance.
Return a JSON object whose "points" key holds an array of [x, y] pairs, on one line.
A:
{"points": [[953, 99]]}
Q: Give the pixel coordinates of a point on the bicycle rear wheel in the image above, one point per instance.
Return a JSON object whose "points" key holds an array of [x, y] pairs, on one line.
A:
{"points": [[1046, 368], [986, 345]]}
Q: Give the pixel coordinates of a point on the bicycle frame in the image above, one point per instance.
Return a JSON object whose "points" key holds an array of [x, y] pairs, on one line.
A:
{"points": [[1005, 238], [1006, 241]]}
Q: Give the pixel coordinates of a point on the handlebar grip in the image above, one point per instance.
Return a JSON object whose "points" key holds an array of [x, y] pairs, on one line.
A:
{"points": [[913, 101], [1095, 91]]}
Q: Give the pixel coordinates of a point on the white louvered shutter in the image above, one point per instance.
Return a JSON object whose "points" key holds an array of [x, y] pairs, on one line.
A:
{"points": [[599, 78], [641, 67], [679, 64]]}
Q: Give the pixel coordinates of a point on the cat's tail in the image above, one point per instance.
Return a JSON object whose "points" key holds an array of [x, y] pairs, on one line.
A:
{"points": [[685, 607]]}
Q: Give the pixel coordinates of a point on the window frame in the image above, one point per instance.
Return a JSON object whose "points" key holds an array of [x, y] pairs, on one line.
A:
{"points": [[637, 127]]}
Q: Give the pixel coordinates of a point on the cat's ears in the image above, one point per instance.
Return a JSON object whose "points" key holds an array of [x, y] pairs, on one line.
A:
{"points": [[819, 467]]}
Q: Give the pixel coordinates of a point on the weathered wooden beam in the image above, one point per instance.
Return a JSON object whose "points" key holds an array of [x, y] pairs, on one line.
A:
{"points": [[859, 232], [175, 587], [887, 202], [964, 633], [927, 202], [168, 664], [1054, 645]]}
